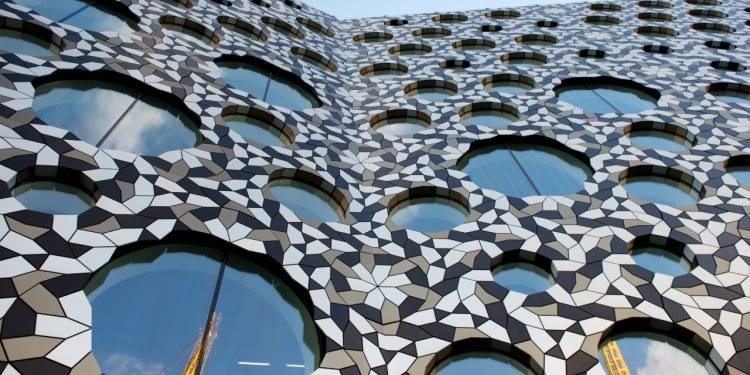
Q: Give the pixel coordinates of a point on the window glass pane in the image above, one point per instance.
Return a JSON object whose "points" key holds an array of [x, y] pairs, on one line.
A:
{"points": [[552, 172], [494, 168], [651, 353], [100, 18], [659, 260], [432, 93], [522, 277], [152, 128], [285, 93], [606, 98], [586, 100], [304, 200], [86, 108], [53, 198], [491, 119], [245, 77], [54, 10], [428, 214], [624, 99], [732, 97], [187, 34], [17, 42], [150, 309], [659, 140], [481, 363], [508, 88], [258, 131], [260, 326], [741, 173], [660, 190], [400, 127]]}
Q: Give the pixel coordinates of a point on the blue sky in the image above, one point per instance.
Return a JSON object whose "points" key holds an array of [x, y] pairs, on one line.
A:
{"points": [[346, 9]]}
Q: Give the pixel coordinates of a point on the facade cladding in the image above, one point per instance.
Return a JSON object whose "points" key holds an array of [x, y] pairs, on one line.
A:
{"points": [[258, 187]]}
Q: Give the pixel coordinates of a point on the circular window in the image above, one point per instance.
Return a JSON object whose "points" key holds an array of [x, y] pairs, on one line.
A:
{"points": [[719, 44], [242, 28], [427, 210], [547, 23], [590, 53], [480, 363], [525, 166], [601, 20], [282, 27], [28, 39], [129, 116], [739, 168], [315, 27], [652, 184], [709, 27], [267, 83], [656, 31], [654, 4], [372, 37], [660, 136], [525, 59], [304, 194], [655, 17], [431, 32], [190, 31], [490, 114], [411, 49], [508, 83], [313, 58], [258, 126], [384, 70], [490, 28], [605, 7], [660, 255], [98, 16], [54, 191], [431, 90], [455, 64], [536, 39], [503, 14], [155, 310], [727, 65], [473, 45], [400, 122], [707, 13], [607, 95], [656, 48], [730, 92], [646, 352], [522, 277]]}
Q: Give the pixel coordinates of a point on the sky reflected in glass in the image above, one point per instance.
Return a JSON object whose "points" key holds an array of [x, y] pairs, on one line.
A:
{"points": [[659, 140], [522, 277], [54, 198], [607, 98], [428, 214], [660, 190], [432, 94], [263, 84], [508, 87], [492, 119], [741, 174], [659, 260], [306, 201], [732, 97], [17, 42], [401, 126], [256, 131], [647, 353], [480, 363], [87, 15]]}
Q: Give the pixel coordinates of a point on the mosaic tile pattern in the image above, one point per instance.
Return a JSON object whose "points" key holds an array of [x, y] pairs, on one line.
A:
{"points": [[388, 300]]}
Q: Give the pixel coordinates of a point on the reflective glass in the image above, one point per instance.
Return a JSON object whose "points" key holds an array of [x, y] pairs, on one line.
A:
{"points": [[150, 309], [400, 126], [54, 10], [257, 131], [260, 325], [732, 97], [647, 353], [525, 62], [522, 277], [660, 190], [523, 170], [187, 34], [741, 174], [53, 198], [659, 260], [491, 119], [432, 93], [274, 89], [100, 18], [306, 201], [283, 92], [245, 77], [659, 140], [508, 87], [17, 42], [480, 363], [428, 214], [607, 98]]}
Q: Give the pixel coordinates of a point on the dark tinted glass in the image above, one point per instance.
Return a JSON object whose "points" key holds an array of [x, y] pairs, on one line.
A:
{"points": [[606, 98], [522, 277], [522, 170], [17, 42], [651, 353], [95, 15], [659, 140], [150, 309], [261, 326], [428, 214], [660, 190], [659, 260], [257, 131], [306, 201], [480, 363], [53, 198]]}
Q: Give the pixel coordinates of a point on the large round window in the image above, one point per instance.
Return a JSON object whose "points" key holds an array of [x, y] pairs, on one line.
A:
{"points": [[130, 118], [519, 169], [652, 353], [607, 95], [102, 15], [480, 363], [267, 83], [307, 200], [673, 188], [424, 210], [182, 309]]}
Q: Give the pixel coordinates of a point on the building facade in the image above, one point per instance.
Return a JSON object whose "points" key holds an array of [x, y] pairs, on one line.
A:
{"points": [[254, 186]]}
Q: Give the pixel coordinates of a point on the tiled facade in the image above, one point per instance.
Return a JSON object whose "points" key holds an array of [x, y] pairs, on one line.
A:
{"points": [[389, 300]]}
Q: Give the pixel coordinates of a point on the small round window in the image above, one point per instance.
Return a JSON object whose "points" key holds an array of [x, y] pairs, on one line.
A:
{"points": [[54, 191], [110, 115], [427, 212], [431, 90], [88, 15], [660, 136], [515, 167], [730, 92], [23, 42], [652, 353], [307, 200], [522, 277], [400, 122], [607, 95], [480, 363], [660, 259], [673, 188], [258, 126], [739, 168], [490, 114]]}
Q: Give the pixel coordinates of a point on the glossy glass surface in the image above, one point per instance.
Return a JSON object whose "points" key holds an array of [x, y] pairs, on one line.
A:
{"points": [[741, 174], [400, 126], [114, 116], [659, 260], [307, 201], [605, 98], [647, 353], [429, 214], [17, 42], [659, 140], [95, 15], [152, 312], [525, 62], [53, 198], [522, 170], [257, 131], [187, 34], [732, 97], [432, 94], [660, 190], [522, 277], [263, 84], [508, 87], [480, 363], [491, 119]]}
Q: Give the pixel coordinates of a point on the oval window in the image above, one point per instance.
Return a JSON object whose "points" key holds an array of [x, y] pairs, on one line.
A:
{"points": [[658, 188], [480, 363], [306, 200], [522, 277], [116, 116], [108, 15], [53, 197], [15, 41], [659, 140], [258, 126], [267, 83], [428, 214], [607, 95], [170, 308]]}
